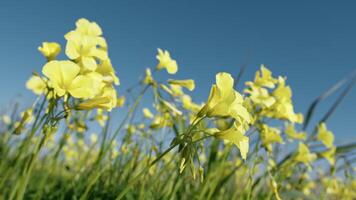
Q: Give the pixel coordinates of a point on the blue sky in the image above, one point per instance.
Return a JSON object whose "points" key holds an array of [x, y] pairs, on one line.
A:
{"points": [[310, 42]]}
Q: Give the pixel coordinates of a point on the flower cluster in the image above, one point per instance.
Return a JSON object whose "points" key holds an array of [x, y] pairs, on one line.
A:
{"points": [[87, 75]]}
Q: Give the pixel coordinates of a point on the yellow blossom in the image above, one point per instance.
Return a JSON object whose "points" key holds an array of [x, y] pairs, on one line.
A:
{"points": [[188, 104], [304, 155], [100, 117], [106, 100], [6, 119], [147, 113], [325, 136], [329, 155], [270, 135], [107, 71], [293, 134], [148, 78], [173, 90], [50, 50], [260, 96], [26, 117], [120, 101], [264, 78], [225, 101], [84, 50], [86, 27], [165, 61], [36, 84], [160, 121], [64, 78], [189, 83], [93, 138], [171, 107], [235, 134]]}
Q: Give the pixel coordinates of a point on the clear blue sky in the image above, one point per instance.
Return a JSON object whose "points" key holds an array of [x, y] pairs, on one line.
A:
{"points": [[312, 43]]}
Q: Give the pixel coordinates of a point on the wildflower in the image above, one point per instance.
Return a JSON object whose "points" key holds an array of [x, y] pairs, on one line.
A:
{"points": [[325, 136], [106, 100], [189, 84], [165, 61], [85, 27], [26, 117], [50, 50], [171, 107], [264, 78], [36, 84], [235, 134], [6, 119], [224, 101], [107, 71], [93, 138], [270, 136], [64, 78], [304, 155], [147, 113], [260, 96], [148, 78], [160, 121], [173, 90], [84, 50], [293, 134], [188, 104], [100, 117], [329, 155], [120, 101], [283, 108], [131, 129]]}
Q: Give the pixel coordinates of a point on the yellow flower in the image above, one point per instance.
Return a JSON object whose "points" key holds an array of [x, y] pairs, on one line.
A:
{"points": [[165, 61], [224, 101], [264, 78], [64, 78], [270, 135], [189, 84], [50, 50], [304, 155], [283, 107], [84, 50], [6, 119], [293, 134], [26, 117], [121, 101], [259, 95], [174, 90], [235, 134], [161, 121], [325, 136], [106, 100], [147, 113], [37, 85], [329, 155], [93, 138], [86, 27], [107, 71], [171, 107], [188, 104], [100, 117], [148, 78]]}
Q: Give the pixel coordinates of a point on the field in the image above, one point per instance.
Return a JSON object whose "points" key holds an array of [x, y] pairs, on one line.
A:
{"points": [[238, 144]]}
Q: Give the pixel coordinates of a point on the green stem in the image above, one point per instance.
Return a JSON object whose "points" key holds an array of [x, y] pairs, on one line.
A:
{"points": [[136, 178]]}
